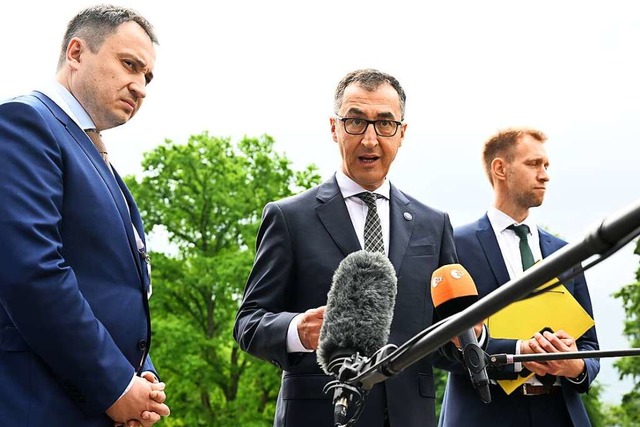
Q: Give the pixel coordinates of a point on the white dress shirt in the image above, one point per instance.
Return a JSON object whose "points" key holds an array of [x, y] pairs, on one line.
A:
{"points": [[358, 214], [509, 244]]}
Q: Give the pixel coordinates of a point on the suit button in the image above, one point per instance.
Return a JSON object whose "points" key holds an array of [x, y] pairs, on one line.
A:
{"points": [[142, 345]]}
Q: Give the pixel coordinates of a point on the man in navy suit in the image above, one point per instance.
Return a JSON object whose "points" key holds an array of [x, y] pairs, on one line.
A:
{"points": [[303, 239], [74, 285], [516, 164]]}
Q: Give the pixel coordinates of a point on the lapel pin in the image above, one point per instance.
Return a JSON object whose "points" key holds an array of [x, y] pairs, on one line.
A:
{"points": [[407, 216]]}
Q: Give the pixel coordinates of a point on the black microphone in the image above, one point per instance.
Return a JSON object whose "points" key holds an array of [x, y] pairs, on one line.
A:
{"points": [[453, 290], [357, 318]]}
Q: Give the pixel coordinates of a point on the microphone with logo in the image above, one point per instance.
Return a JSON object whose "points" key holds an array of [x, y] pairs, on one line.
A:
{"points": [[453, 290], [357, 321]]}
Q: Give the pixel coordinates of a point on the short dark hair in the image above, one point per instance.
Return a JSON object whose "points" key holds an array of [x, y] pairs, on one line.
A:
{"points": [[370, 80], [502, 144], [95, 23]]}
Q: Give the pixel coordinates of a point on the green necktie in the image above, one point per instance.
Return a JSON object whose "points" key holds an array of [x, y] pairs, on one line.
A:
{"points": [[522, 231]]}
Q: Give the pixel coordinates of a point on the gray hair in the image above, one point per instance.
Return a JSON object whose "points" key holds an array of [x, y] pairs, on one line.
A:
{"points": [[370, 80]]}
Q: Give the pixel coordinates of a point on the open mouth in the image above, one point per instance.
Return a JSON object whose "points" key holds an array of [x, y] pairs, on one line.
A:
{"points": [[368, 159]]}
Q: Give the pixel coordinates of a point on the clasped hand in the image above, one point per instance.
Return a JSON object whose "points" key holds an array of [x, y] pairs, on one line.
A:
{"points": [[142, 405], [549, 342]]}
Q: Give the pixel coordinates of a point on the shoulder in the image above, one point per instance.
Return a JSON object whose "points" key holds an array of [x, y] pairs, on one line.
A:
{"points": [[471, 228], [551, 240], [322, 193], [299, 204], [296, 201], [27, 111], [19, 104], [416, 204]]}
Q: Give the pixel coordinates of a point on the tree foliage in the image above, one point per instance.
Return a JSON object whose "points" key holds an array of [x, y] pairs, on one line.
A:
{"points": [[629, 411], [207, 196]]}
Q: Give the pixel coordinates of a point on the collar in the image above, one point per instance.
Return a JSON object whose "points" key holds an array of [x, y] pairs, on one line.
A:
{"points": [[69, 104], [500, 220], [349, 187]]}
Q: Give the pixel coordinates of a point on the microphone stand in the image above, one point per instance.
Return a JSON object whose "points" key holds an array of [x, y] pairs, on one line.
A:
{"points": [[619, 227], [501, 359]]}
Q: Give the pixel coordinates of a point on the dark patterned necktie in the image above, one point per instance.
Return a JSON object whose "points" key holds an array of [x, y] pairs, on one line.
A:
{"points": [[373, 241]]}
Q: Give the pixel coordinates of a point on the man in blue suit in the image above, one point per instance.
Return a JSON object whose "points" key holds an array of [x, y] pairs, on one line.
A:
{"points": [[74, 285], [303, 239], [516, 164]]}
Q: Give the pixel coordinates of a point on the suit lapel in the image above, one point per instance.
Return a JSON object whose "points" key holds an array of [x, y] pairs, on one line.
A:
{"points": [[85, 144], [489, 243], [546, 244], [134, 221], [333, 214], [401, 227]]}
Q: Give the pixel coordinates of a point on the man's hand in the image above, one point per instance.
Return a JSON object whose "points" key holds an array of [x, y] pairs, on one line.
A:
{"points": [[478, 331], [549, 342], [309, 327], [141, 405]]}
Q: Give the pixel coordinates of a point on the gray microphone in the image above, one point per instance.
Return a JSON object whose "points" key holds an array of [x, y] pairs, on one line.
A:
{"points": [[358, 315]]}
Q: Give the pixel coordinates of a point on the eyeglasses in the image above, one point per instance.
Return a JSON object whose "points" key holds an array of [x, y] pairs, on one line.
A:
{"points": [[357, 126]]}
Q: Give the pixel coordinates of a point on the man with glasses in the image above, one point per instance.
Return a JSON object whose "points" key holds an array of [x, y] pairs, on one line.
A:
{"points": [[303, 239]]}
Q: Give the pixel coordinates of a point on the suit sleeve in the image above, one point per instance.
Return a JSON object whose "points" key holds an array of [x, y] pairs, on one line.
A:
{"points": [[448, 253], [262, 320], [447, 357], [38, 288]]}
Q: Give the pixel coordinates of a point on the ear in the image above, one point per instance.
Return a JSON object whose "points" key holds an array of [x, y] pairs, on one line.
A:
{"points": [[75, 49], [403, 129], [333, 122], [499, 169]]}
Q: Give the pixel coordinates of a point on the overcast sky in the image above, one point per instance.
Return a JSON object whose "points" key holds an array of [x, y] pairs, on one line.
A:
{"points": [[469, 68]]}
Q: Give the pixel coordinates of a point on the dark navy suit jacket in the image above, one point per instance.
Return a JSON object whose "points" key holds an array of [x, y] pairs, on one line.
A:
{"points": [[479, 253], [74, 315], [301, 242]]}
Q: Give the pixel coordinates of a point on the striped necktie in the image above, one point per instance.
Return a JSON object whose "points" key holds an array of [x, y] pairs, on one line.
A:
{"points": [[373, 241]]}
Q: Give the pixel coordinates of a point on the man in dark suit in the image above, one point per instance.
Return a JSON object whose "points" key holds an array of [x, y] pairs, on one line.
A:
{"points": [[74, 285], [490, 249], [303, 239]]}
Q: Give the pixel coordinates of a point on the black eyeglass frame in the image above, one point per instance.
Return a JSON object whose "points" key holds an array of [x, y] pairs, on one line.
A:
{"points": [[369, 122]]}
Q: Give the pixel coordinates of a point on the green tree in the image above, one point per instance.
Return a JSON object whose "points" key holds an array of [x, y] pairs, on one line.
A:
{"points": [[629, 411], [597, 412], [207, 196], [440, 384]]}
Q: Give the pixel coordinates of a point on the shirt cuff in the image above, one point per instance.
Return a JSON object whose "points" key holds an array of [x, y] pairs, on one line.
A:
{"points": [[483, 336], [128, 387], [517, 366], [580, 378], [294, 345]]}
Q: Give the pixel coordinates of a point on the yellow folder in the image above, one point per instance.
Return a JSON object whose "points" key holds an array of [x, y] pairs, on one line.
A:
{"points": [[555, 308]]}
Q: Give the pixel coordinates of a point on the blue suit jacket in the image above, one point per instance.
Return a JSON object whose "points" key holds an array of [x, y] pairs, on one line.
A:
{"points": [[301, 242], [479, 253], [74, 315]]}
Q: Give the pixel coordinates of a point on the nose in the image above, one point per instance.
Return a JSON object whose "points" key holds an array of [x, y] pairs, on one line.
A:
{"points": [[139, 86], [370, 138], [543, 175]]}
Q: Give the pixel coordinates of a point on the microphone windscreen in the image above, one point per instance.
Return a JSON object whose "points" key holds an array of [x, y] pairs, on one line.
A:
{"points": [[452, 290], [359, 308]]}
